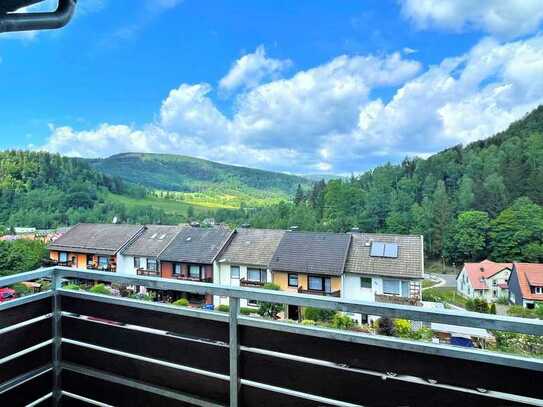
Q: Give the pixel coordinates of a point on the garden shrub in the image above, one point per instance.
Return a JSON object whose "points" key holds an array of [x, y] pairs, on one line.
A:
{"points": [[318, 314], [100, 289], [182, 302]]}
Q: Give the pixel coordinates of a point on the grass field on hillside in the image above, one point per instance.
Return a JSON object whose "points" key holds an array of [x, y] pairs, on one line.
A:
{"points": [[167, 205]]}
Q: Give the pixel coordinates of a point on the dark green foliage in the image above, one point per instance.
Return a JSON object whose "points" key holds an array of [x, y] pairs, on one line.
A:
{"points": [[45, 190], [468, 237], [479, 305], [222, 308], [269, 309], [21, 255], [318, 314], [188, 174]]}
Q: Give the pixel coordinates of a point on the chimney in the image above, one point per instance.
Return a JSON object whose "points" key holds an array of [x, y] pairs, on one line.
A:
{"points": [[482, 269]]}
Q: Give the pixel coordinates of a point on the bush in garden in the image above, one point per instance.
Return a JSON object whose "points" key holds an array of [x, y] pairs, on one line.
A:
{"points": [[520, 311], [478, 305], [341, 321], [317, 314], [21, 289], [246, 311], [182, 302], [72, 286], [222, 308], [100, 289], [493, 308], [270, 309], [309, 322], [402, 328], [503, 300]]}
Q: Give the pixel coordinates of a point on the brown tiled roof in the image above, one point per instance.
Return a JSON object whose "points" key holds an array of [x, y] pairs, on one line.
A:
{"points": [[408, 264], [106, 239], [152, 241], [253, 247], [196, 245], [312, 253], [529, 274]]}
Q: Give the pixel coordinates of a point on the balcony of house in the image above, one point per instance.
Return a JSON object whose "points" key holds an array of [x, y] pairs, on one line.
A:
{"points": [[194, 278], [102, 267], [243, 282], [336, 293], [78, 348], [148, 273], [397, 299]]}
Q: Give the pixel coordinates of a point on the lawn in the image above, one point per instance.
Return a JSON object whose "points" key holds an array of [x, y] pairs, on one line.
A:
{"points": [[167, 205], [444, 294]]}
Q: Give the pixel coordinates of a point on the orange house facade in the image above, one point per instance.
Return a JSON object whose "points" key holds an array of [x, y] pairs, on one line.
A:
{"points": [[93, 246]]}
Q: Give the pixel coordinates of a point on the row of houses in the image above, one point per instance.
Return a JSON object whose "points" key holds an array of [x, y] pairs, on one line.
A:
{"points": [[361, 266], [519, 283]]}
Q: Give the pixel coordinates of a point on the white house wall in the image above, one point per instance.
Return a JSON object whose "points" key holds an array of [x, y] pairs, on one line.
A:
{"points": [[221, 275]]}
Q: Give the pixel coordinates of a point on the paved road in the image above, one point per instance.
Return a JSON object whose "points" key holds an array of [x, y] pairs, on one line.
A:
{"points": [[447, 280]]}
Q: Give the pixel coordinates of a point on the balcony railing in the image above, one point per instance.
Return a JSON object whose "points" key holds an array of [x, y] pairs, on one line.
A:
{"points": [[193, 279], [251, 283], [396, 299], [109, 268], [336, 294], [148, 273], [79, 348]]}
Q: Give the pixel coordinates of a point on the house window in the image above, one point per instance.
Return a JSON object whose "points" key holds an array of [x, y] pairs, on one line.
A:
{"points": [[234, 271], [63, 257], [137, 262], [103, 262], [538, 290], [194, 271], [391, 286], [177, 269], [293, 280], [319, 283], [365, 282], [151, 264], [256, 275], [252, 303]]}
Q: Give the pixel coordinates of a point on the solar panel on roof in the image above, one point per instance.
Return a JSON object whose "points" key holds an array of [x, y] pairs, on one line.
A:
{"points": [[377, 249], [391, 250]]}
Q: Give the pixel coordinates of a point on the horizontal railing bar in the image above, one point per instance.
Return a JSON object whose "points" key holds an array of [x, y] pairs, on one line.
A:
{"points": [[459, 318], [25, 300], [146, 305], [402, 377], [429, 348], [299, 394], [160, 391], [23, 324], [16, 381], [27, 276], [25, 351], [85, 399], [40, 400], [147, 359]]}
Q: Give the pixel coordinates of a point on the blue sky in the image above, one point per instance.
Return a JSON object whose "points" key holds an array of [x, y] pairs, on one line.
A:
{"points": [[304, 86]]}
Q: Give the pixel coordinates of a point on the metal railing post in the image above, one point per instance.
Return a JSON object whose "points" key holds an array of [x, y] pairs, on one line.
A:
{"points": [[57, 337], [234, 352]]}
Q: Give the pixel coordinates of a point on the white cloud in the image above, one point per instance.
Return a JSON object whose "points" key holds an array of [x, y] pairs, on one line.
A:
{"points": [[329, 118], [502, 18], [252, 69]]}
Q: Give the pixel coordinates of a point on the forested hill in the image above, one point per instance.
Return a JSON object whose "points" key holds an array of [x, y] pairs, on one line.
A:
{"points": [[469, 202], [45, 190], [187, 174]]}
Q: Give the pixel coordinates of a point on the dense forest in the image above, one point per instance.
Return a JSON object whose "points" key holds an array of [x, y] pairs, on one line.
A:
{"points": [[168, 172], [45, 190], [482, 200]]}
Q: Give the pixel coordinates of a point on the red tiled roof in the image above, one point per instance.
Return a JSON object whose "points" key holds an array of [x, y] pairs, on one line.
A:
{"points": [[483, 270], [529, 274]]}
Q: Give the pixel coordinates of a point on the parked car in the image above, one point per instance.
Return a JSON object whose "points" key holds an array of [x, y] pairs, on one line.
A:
{"points": [[6, 294]]}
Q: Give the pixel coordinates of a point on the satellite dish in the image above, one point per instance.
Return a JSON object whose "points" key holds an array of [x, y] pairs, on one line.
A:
{"points": [[11, 21]]}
